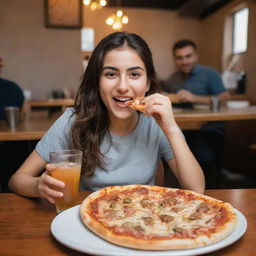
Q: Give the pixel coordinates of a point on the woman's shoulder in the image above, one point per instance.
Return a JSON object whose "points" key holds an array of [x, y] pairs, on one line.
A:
{"points": [[69, 113]]}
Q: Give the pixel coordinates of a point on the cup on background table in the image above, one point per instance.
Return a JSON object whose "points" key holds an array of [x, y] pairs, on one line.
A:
{"points": [[215, 103], [68, 170], [12, 116]]}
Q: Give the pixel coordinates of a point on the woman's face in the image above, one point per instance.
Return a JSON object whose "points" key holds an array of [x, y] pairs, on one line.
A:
{"points": [[123, 78]]}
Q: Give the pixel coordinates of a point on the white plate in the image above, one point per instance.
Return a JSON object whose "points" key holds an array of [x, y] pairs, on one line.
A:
{"points": [[238, 104], [69, 230]]}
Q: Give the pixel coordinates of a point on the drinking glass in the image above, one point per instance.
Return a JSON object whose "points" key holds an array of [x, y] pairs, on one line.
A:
{"points": [[67, 165]]}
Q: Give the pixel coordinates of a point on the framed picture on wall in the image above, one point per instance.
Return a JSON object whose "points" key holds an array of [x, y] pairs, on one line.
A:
{"points": [[63, 14]]}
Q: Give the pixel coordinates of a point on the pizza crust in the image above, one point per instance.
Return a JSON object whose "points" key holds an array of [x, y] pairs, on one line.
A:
{"points": [[154, 244]]}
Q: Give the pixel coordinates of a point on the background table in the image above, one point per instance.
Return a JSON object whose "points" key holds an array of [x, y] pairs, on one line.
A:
{"points": [[33, 128], [25, 225]]}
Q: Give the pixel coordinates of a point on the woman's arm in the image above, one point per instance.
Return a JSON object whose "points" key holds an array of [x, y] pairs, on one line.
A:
{"points": [[27, 182], [184, 165]]}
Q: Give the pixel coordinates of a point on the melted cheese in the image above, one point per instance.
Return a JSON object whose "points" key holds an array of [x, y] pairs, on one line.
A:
{"points": [[159, 228]]}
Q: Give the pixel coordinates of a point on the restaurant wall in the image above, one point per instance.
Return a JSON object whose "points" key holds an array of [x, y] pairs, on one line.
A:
{"points": [[160, 28], [37, 58], [215, 51]]}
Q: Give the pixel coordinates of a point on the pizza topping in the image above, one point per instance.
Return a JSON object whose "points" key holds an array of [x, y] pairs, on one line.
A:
{"points": [[176, 209], [203, 208], [127, 200], [138, 228], [129, 211], [171, 201], [142, 191], [149, 221], [113, 204], [195, 216], [94, 207], [146, 203], [179, 231], [166, 218], [110, 213], [150, 213]]}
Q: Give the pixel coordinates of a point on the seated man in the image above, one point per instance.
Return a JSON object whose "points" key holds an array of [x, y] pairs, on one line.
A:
{"points": [[196, 83], [10, 94]]}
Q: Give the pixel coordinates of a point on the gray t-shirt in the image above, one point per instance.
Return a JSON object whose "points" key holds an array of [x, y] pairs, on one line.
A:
{"points": [[131, 159]]}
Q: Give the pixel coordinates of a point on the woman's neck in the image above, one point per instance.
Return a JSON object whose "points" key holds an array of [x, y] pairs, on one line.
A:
{"points": [[123, 127]]}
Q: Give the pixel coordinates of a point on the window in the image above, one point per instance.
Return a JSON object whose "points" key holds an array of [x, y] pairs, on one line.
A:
{"points": [[240, 30], [87, 39]]}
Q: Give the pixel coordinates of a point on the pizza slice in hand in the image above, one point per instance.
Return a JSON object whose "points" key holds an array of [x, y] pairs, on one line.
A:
{"points": [[137, 104]]}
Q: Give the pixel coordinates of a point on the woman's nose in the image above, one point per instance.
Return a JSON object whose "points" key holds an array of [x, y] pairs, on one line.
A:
{"points": [[122, 84]]}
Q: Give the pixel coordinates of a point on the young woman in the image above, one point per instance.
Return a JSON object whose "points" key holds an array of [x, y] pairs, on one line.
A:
{"points": [[120, 145]]}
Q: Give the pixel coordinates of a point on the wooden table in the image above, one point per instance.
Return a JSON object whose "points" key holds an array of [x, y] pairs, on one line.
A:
{"points": [[25, 224], [50, 103], [35, 127], [31, 129], [194, 118]]}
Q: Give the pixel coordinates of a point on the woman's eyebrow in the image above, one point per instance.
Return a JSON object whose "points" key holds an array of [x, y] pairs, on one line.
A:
{"points": [[134, 68], [110, 67], [116, 69]]}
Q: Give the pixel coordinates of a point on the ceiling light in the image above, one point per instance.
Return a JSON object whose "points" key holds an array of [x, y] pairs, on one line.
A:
{"points": [[95, 4], [117, 20]]}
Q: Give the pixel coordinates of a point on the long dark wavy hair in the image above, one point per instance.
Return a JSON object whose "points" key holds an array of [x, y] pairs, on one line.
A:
{"points": [[92, 120]]}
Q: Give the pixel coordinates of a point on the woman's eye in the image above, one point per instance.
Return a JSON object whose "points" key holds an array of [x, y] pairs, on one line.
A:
{"points": [[110, 74], [135, 75]]}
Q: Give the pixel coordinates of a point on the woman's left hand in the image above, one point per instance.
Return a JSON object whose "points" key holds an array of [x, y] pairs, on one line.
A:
{"points": [[160, 107]]}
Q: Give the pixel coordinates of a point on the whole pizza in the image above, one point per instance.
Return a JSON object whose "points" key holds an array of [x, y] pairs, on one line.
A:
{"points": [[157, 218]]}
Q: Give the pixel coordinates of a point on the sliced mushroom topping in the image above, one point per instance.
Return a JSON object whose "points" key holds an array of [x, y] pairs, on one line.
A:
{"points": [[127, 200], [195, 216], [148, 221], [166, 218]]}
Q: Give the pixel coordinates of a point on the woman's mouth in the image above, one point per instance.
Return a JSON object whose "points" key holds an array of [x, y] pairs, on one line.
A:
{"points": [[121, 100]]}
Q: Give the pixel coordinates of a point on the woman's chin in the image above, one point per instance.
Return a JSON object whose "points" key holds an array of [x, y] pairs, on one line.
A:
{"points": [[124, 114]]}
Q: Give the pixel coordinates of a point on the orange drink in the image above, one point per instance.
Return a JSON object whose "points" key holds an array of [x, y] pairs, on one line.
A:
{"points": [[68, 170], [70, 175]]}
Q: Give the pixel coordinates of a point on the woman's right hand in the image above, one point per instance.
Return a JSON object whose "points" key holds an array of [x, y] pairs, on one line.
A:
{"points": [[49, 187]]}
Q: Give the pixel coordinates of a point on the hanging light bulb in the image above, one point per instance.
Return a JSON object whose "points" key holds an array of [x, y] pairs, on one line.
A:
{"points": [[117, 20], [103, 3], [95, 4], [110, 20], [87, 2], [117, 25], [125, 19], [119, 13]]}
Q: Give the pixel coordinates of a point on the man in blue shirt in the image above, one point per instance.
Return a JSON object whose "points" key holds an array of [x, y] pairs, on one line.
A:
{"points": [[196, 84], [10, 94], [192, 82]]}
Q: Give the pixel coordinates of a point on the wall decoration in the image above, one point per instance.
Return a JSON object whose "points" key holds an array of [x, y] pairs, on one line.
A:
{"points": [[63, 14]]}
